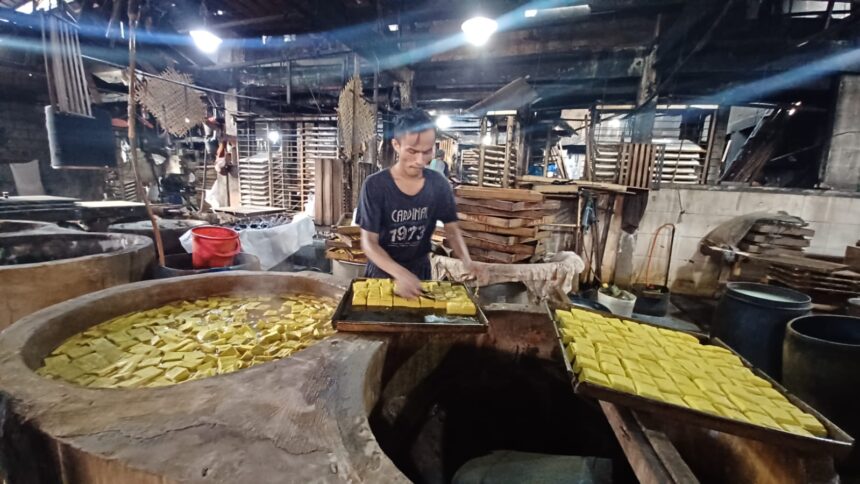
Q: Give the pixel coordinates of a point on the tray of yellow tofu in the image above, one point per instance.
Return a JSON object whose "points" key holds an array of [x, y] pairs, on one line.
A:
{"points": [[371, 305], [687, 378]]}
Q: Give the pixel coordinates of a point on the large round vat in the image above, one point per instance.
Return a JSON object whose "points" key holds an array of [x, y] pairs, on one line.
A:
{"points": [[299, 419], [38, 270]]}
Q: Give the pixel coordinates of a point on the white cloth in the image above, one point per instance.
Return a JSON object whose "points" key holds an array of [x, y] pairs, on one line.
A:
{"points": [[550, 280], [273, 245]]}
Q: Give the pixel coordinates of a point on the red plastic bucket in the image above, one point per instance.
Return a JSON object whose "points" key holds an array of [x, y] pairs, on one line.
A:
{"points": [[213, 246]]}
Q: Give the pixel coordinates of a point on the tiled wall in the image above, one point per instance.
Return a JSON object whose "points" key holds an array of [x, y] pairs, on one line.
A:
{"points": [[697, 211]]}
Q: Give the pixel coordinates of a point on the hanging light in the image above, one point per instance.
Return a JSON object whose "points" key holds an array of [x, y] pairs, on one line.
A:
{"points": [[274, 137], [443, 122], [393, 27], [530, 13], [478, 30], [205, 40]]}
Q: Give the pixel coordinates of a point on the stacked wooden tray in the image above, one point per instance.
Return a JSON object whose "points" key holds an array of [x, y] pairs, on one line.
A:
{"points": [[494, 166], [836, 443], [776, 239], [502, 225]]}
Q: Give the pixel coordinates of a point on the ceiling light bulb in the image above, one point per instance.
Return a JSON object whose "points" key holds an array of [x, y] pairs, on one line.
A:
{"points": [[205, 40], [478, 30], [219, 12], [274, 137], [531, 13], [187, 121], [393, 27], [443, 122]]}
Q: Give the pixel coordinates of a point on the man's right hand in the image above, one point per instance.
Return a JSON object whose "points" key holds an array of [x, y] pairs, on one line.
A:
{"points": [[406, 285]]}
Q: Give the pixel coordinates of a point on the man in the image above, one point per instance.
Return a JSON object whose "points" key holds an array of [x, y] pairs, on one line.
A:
{"points": [[439, 163], [399, 207]]}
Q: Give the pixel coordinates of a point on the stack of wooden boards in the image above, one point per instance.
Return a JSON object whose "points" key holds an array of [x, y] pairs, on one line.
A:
{"points": [[814, 277], [772, 238], [438, 296], [494, 166], [346, 245], [503, 225], [677, 370]]}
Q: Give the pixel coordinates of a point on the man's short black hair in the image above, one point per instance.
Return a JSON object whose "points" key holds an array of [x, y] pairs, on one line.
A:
{"points": [[412, 121]]}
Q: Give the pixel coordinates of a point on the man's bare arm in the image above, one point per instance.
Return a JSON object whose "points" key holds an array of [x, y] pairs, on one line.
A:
{"points": [[407, 285]]}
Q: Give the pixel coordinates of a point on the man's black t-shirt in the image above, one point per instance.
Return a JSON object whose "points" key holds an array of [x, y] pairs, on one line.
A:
{"points": [[405, 223]]}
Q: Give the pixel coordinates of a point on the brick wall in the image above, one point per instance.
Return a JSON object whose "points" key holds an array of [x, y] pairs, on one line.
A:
{"points": [[697, 211], [23, 137]]}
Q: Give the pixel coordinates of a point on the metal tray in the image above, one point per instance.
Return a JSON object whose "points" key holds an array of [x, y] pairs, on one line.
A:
{"points": [[838, 444], [349, 319]]}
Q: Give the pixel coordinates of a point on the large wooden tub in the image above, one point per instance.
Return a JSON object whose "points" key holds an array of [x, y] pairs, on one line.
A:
{"points": [[38, 269], [300, 419]]}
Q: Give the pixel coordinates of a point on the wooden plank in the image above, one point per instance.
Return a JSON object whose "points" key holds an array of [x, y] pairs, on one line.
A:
{"points": [[507, 205], [506, 248], [510, 194], [612, 187], [479, 227], [852, 257], [813, 265], [768, 238], [780, 242], [764, 228], [505, 223], [494, 238], [477, 210], [647, 467], [484, 255]]}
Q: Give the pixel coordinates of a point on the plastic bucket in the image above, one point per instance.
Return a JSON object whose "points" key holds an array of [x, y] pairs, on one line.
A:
{"points": [[213, 246], [616, 305]]}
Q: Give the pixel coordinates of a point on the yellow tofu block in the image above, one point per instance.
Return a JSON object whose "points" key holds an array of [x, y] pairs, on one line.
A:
{"points": [[811, 424], [462, 309], [621, 383], [173, 356], [741, 403], [781, 416], [570, 352], [674, 399], [758, 418], [412, 303], [701, 404], [647, 391], [147, 374], [585, 349], [690, 390], [609, 368], [796, 429], [707, 385], [731, 413], [591, 375], [425, 302], [681, 380], [177, 374], [359, 298], [666, 385], [608, 359], [642, 377], [583, 361]]}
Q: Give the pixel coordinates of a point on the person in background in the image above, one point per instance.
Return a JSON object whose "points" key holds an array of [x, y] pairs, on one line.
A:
{"points": [[440, 165], [398, 209]]}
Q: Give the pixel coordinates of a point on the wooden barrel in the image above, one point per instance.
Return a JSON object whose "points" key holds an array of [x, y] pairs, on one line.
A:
{"points": [[41, 269], [299, 419]]}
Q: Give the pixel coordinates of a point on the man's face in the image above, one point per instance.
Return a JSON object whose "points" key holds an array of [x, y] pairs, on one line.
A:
{"points": [[415, 150]]}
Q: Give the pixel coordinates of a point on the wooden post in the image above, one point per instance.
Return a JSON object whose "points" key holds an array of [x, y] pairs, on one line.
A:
{"points": [[509, 142], [132, 123], [481, 151], [546, 153]]}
